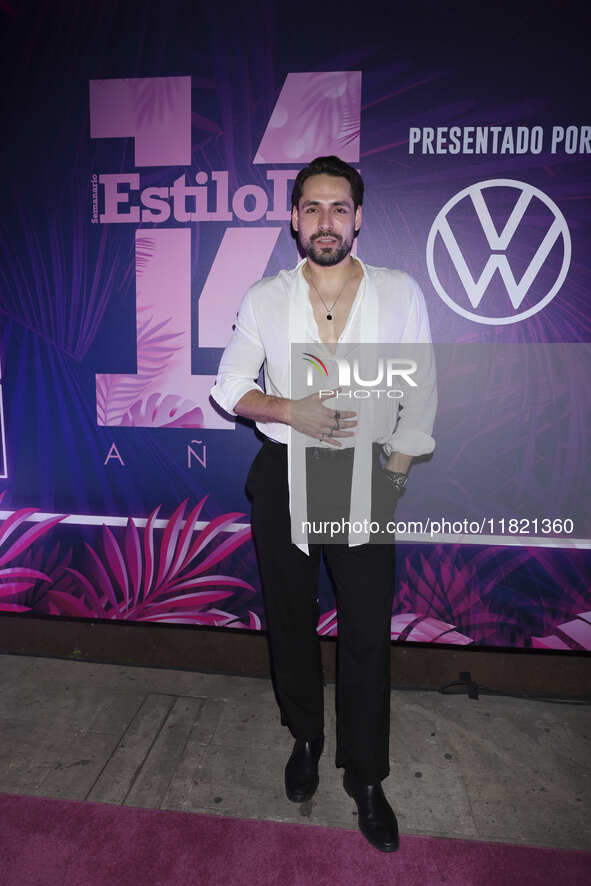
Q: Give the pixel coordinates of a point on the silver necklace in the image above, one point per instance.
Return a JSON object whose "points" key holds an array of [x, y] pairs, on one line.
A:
{"points": [[329, 314]]}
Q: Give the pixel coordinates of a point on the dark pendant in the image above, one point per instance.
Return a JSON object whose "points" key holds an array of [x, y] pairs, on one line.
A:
{"points": [[329, 316]]}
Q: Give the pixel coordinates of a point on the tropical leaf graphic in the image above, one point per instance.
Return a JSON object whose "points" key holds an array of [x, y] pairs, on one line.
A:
{"points": [[574, 634], [152, 97], [328, 624], [452, 584], [44, 272], [136, 579], [145, 247], [117, 394], [54, 566], [415, 628], [555, 588], [168, 411], [17, 581], [405, 626], [330, 108]]}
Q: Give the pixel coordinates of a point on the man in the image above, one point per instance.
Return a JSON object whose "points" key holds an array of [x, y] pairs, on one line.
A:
{"points": [[330, 298]]}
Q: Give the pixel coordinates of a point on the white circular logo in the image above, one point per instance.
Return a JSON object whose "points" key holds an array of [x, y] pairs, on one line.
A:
{"points": [[498, 244]]}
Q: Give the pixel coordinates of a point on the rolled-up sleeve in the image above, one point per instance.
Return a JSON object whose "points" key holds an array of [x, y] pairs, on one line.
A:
{"points": [[416, 417], [241, 361]]}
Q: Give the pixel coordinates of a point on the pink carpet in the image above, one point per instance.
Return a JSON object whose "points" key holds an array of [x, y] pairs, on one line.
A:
{"points": [[47, 842]]}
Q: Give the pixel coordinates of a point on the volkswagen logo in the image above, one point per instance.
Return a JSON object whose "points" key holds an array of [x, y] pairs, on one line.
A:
{"points": [[503, 270]]}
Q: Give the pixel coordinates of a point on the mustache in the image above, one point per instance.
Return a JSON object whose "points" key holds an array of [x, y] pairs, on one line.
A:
{"points": [[326, 234]]}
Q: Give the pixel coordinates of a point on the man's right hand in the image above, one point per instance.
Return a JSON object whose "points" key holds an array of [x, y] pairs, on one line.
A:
{"points": [[310, 417]]}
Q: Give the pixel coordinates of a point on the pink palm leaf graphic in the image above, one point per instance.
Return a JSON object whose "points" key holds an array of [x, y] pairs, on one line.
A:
{"points": [[54, 566], [17, 580], [138, 579], [117, 395], [452, 586]]}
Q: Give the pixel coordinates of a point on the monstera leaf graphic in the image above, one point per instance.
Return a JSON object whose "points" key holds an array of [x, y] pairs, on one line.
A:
{"points": [[16, 581], [137, 579], [158, 411]]}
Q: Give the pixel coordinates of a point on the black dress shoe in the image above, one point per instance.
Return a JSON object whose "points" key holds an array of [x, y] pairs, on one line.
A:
{"points": [[377, 821], [301, 772]]}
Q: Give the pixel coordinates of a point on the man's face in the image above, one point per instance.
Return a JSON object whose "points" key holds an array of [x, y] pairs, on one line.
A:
{"points": [[325, 219]]}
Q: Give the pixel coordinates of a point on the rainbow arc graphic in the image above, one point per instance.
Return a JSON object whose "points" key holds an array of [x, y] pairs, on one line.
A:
{"points": [[316, 362]]}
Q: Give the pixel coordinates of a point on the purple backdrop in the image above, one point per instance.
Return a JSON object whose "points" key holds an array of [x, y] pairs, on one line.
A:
{"points": [[149, 153]]}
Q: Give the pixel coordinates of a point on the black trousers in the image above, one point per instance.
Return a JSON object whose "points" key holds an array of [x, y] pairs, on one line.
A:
{"points": [[364, 585]]}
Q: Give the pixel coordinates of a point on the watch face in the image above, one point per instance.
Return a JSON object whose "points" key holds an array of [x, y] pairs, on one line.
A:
{"points": [[397, 479]]}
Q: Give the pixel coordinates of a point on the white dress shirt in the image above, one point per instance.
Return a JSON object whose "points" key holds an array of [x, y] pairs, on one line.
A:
{"points": [[276, 313]]}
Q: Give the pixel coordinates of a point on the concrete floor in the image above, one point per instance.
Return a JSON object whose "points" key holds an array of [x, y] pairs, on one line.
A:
{"points": [[497, 769]]}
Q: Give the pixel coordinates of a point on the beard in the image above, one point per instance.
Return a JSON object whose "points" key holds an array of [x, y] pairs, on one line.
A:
{"points": [[327, 255]]}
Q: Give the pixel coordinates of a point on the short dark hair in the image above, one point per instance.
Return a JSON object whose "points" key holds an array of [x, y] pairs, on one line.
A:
{"points": [[329, 166]]}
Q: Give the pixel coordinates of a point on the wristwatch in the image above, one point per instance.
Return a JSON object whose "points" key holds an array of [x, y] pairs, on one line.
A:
{"points": [[397, 478]]}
